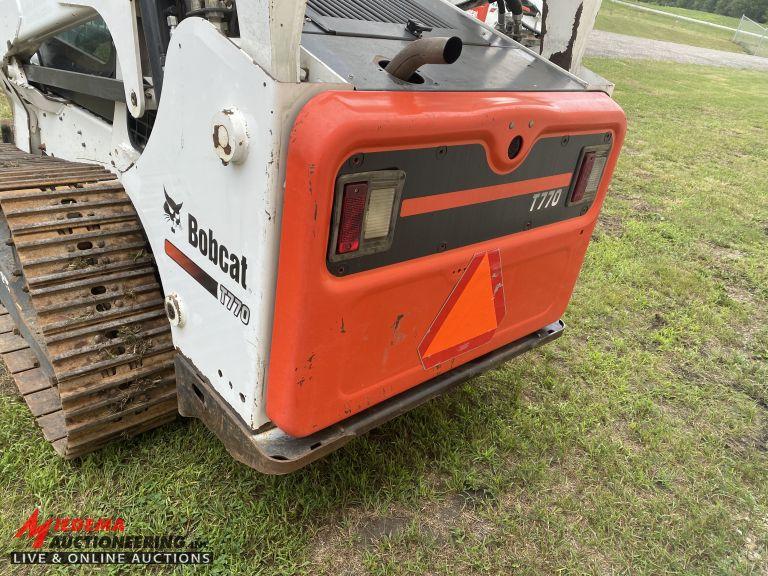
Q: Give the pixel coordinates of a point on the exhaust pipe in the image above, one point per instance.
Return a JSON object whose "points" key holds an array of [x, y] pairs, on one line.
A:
{"points": [[424, 51]]}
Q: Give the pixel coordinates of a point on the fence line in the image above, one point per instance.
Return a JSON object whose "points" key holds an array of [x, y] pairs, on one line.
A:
{"points": [[752, 36], [673, 15]]}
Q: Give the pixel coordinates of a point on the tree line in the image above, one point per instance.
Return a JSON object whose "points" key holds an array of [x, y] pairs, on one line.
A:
{"points": [[754, 9]]}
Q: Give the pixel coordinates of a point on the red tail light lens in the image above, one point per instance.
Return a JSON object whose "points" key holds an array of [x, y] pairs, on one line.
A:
{"points": [[352, 214], [590, 174], [587, 164]]}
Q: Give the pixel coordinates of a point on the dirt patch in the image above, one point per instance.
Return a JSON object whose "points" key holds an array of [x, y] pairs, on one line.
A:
{"points": [[374, 529], [658, 321], [640, 205], [458, 513], [340, 548], [740, 294], [7, 386], [725, 253], [611, 225], [333, 551]]}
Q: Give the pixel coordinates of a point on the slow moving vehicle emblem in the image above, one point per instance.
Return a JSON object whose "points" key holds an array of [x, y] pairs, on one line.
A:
{"points": [[471, 314]]}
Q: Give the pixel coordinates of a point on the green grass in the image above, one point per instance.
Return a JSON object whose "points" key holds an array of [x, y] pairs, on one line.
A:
{"points": [[5, 109], [625, 20], [697, 14], [634, 445]]}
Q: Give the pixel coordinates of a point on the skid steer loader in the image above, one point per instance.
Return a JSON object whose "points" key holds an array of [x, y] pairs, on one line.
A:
{"points": [[294, 220]]}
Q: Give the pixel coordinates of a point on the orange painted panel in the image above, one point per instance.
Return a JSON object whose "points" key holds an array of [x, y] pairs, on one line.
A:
{"points": [[343, 344]]}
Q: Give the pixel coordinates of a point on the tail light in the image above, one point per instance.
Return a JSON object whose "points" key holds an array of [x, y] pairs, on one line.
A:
{"points": [[589, 175], [365, 213], [352, 213]]}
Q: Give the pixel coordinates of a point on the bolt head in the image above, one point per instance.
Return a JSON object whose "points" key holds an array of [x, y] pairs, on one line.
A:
{"points": [[230, 136], [174, 310]]}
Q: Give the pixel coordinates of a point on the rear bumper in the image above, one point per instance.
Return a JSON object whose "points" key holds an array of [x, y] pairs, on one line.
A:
{"points": [[274, 452]]}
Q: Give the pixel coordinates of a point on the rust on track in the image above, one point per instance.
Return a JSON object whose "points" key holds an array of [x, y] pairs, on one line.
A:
{"points": [[82, 325]]}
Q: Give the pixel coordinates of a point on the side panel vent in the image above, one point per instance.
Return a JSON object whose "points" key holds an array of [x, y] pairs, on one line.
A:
{"points": [[385, 11]]}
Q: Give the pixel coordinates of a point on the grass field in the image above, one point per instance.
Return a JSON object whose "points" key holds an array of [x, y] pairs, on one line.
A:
{"points": [[637, 444], [625, 20], [5, 109], [697, 14]]}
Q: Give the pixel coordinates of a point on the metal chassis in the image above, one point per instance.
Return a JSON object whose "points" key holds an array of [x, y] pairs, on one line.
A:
{"points": [[272, 451]]}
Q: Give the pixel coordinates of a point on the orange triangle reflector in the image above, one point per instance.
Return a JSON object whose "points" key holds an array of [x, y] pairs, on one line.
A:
{"points": [[471, 314]]}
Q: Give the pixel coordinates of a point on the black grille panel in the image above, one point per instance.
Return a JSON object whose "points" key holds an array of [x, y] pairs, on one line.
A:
{"points": [[386, 11]]}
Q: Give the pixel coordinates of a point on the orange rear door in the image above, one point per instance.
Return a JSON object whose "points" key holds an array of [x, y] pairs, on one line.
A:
{"points": [[473, 213]]}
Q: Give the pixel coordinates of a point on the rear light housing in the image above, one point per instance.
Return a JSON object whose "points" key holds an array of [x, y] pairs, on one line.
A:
{"points": [[366, 207], [589, 174]]}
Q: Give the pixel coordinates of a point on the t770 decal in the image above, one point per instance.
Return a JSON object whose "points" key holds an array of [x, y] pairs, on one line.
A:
{"points": [[222, 294], [548, 199]]}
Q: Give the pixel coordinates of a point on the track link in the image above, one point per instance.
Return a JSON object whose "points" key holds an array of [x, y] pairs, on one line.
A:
{"points": [[82, 327]]}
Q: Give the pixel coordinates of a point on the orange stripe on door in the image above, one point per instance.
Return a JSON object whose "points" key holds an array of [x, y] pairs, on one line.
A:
{"points": [[437, 202]]}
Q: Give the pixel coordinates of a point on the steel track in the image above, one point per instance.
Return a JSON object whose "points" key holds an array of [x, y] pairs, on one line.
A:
{"points": [[82, 327]]}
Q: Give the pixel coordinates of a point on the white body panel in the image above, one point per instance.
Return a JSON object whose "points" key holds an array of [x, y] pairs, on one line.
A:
{"points": [[21, 129], [65, 130], [269, 31], [240, 203], [568, 24], [24, 22]]}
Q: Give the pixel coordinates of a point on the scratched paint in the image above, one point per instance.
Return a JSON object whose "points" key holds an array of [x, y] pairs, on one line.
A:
{"points": [[566, 26]]}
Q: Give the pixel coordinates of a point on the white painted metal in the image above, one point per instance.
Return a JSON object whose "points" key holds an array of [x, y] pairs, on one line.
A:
{"points": [[270, 32], [56, 126], [65, 130], [174, 309], [21, 134], [563, 32], [25, 23], [239, 203]]}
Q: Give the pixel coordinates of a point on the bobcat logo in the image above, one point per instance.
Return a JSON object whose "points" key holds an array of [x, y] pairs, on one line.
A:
{"points": [[172, 212]]}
